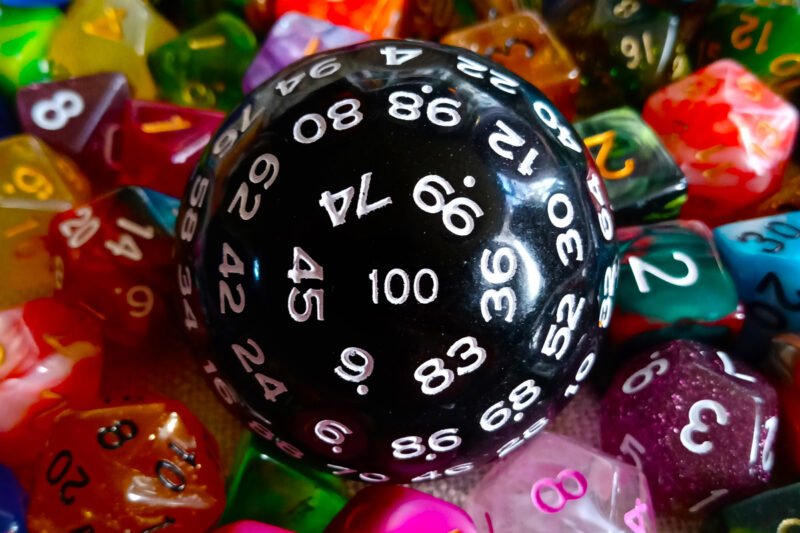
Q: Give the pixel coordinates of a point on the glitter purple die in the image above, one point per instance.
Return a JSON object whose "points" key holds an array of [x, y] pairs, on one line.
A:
{"points": [[701, 427]]}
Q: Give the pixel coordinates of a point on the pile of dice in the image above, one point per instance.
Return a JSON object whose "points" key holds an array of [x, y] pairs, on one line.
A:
{"points": [[482, 233]]}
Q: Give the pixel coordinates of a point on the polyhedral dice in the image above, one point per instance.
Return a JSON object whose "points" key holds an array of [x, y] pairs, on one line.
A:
{"points": [[265, 489], [395, 509], [25, 34], [672, 284], [378, 19], [35, 184], [789, 436], [760, 35], [644, 184], [784, 359], [113, 257], [110, 36], [128, 467], [161, 144], [248, 526], [763, 256], [700, 426], [293, 37], [50, 359], [557, 484], [78, 117], [524, 44], [12, 503], [774, 510], [204, 66], [189, 13], [380, 219], [730, 135], [787, 198]]}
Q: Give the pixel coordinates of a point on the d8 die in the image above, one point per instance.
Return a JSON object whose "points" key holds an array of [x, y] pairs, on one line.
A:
{"points": [[35, 184], [701, 427], [161, 144], [763, 255], [395, 509], [557, 484], [419, 281], [135, 467], [113, 257], [730, 134], [644, 184], [288, 495], [524, 44], [108, 36], [50, 359], [203, 67], [78, 117], [293, 37], [673, 284]]}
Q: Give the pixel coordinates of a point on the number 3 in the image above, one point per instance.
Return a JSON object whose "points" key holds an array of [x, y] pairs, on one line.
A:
{"points": [[696, 425]]}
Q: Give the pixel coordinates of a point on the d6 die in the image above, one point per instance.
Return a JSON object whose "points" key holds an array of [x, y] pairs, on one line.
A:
{"points": [[701, 427]]}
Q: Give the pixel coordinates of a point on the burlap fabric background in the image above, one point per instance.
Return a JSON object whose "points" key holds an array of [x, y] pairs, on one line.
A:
{"points": [[172, 371]]}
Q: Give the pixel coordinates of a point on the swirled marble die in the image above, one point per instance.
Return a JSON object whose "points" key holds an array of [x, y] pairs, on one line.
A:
{"points": [[399, 265]]}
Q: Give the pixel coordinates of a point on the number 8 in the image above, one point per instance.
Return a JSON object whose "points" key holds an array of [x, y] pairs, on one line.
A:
{"points": [[53, 114], [439, 371]]}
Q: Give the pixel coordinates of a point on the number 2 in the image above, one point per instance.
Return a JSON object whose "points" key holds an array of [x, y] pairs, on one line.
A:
{"points": [[640, 267]]}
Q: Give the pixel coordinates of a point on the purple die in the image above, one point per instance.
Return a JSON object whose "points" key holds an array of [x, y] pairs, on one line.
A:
{"points": [[700, 427], [293, 37], [557, 484], [78, 117]]}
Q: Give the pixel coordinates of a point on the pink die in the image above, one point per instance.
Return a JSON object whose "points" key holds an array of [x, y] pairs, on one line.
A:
{"points": [[249, 526], [556, 484], [395, 509], [730, 134]]}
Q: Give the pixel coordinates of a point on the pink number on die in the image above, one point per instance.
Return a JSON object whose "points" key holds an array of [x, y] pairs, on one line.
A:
{"points": [[557, 485], [636, 518]]}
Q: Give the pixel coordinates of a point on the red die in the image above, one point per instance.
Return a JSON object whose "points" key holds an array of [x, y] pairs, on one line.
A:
{"points": [[50, 358], [78, 117], [161, 144], [730, 134], [378, 19], [138, 467], [113, 257]]}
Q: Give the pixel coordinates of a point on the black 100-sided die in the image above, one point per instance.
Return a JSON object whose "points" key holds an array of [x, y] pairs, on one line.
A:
{"points": [[398, 261]]}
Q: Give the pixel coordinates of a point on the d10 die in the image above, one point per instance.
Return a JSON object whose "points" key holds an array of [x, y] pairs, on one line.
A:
{"points": [[78, 117], [644, 184], [524, 44], [395, 509], [162, 143], [557, 484], [288, 495], [672, 284], [50, 359], [114, 257], [35, 184], [135, 467], [701, 427], [763, 255], [109, 36], [730, 134], [293, 37], [203, 67]]}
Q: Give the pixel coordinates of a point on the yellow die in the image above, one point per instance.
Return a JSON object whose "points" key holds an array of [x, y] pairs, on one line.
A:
{"points": [[110, 35], [35, 184]]}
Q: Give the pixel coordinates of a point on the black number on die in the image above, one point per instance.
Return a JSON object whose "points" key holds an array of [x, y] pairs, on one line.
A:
{"points": [[117, 434], [57, 471], [168, 521], [163, 470]]}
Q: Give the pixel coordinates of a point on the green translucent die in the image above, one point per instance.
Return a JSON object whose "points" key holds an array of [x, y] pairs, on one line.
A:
{"points": [[763, 35], [774, 511], [204, 67], [643, 182], [264, 489], [25, 35], [672, 284], [188, 13]]}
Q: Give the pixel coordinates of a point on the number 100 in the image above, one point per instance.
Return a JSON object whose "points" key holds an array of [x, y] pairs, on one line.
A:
{"points": [[397, 295]]}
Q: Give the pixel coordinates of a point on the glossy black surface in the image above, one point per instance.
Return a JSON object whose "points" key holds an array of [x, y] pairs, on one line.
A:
{"points": [[395, 154]]}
